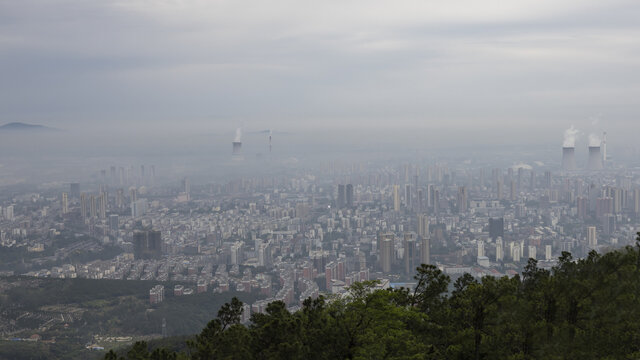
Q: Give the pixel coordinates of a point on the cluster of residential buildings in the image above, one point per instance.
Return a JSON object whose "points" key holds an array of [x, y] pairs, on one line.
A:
{"points": [[307, 233]]}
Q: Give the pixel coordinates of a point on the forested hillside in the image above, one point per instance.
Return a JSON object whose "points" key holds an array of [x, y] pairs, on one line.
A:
{"points": [[581, 309]]}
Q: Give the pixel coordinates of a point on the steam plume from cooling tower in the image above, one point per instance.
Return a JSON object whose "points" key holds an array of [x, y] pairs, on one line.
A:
{"points": [[594, 140], [238, 137], [570, 137]]}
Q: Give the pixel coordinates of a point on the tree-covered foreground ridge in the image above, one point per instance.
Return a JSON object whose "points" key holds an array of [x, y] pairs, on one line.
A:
{"points": [[580, 309]]}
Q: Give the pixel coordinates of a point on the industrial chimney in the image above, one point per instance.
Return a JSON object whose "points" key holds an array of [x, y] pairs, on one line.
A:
{"points": [[595, 158], [568, 159], [237, 145]]}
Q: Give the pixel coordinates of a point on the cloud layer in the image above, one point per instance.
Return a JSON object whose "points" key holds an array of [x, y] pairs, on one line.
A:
{"points": [[307, 64]]}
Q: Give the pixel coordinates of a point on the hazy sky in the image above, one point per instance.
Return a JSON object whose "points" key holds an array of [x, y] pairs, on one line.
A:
{"points": [[299, 64]]}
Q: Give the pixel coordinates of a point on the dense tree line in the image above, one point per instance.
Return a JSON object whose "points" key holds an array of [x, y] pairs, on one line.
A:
{"points": [[580, 309]]}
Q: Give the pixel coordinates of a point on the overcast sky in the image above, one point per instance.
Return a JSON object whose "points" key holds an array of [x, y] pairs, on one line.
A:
{"points": [[298, 64]]}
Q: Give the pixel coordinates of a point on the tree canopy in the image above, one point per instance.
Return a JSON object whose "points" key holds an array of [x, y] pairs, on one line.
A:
{"points": [[580, 309]]}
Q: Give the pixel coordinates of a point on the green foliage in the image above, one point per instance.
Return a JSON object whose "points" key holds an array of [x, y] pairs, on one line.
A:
{"points": [[581, 309]]}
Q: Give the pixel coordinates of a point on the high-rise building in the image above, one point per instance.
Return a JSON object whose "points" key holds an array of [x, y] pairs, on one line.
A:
{"points": [[499, 190], [102, 202], [423, 225], [8, 213], [330, 273], [463, 199], [617, 196], [547, 252], [512, 192], [480, 248], [636, 201], [496, 228], [120, 198], [83, 205], [594, 194], [65, 203], [520, 175], [496, 176], [430, 195], [93, 209], [386, 252], [237, 253], [582, 207], [138, 208], [186, 187], [425, 249], [341, 196], [349, 195], [436, 201], [410, 253], [499, 250], [264, 254], [133, 195], [396, 198], [604, 206], [547, 179], [592, 240], [515, 254], [147, 244], [532, 181], [114, 223], [407, 196], [608, 224], [532, 252]]}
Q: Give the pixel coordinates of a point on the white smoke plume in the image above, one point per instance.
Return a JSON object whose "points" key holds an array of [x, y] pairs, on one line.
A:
{"points": [[238, 135], [594, 140], [570, 137]]}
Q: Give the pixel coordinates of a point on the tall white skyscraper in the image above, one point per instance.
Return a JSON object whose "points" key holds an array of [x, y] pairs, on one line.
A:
{"points": [[425, 251], [547, 252], [8, 213], [515, 255], [499, 250]]}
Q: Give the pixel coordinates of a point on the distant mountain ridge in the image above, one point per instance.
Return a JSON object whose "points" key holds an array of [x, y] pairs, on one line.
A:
{"points": [[19, 126]]}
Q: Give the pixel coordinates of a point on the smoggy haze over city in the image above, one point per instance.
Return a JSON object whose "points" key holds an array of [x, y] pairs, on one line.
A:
{"points": [[299, 160], [362, 78]]}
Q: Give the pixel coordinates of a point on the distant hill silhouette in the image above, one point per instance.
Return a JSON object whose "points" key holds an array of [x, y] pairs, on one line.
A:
{"points": [[19, 126]]}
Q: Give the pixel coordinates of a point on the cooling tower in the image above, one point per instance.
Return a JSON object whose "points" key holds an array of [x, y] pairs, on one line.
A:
{"points": [[595, 158], [568, 159], [237, 147], [237, 151]]}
